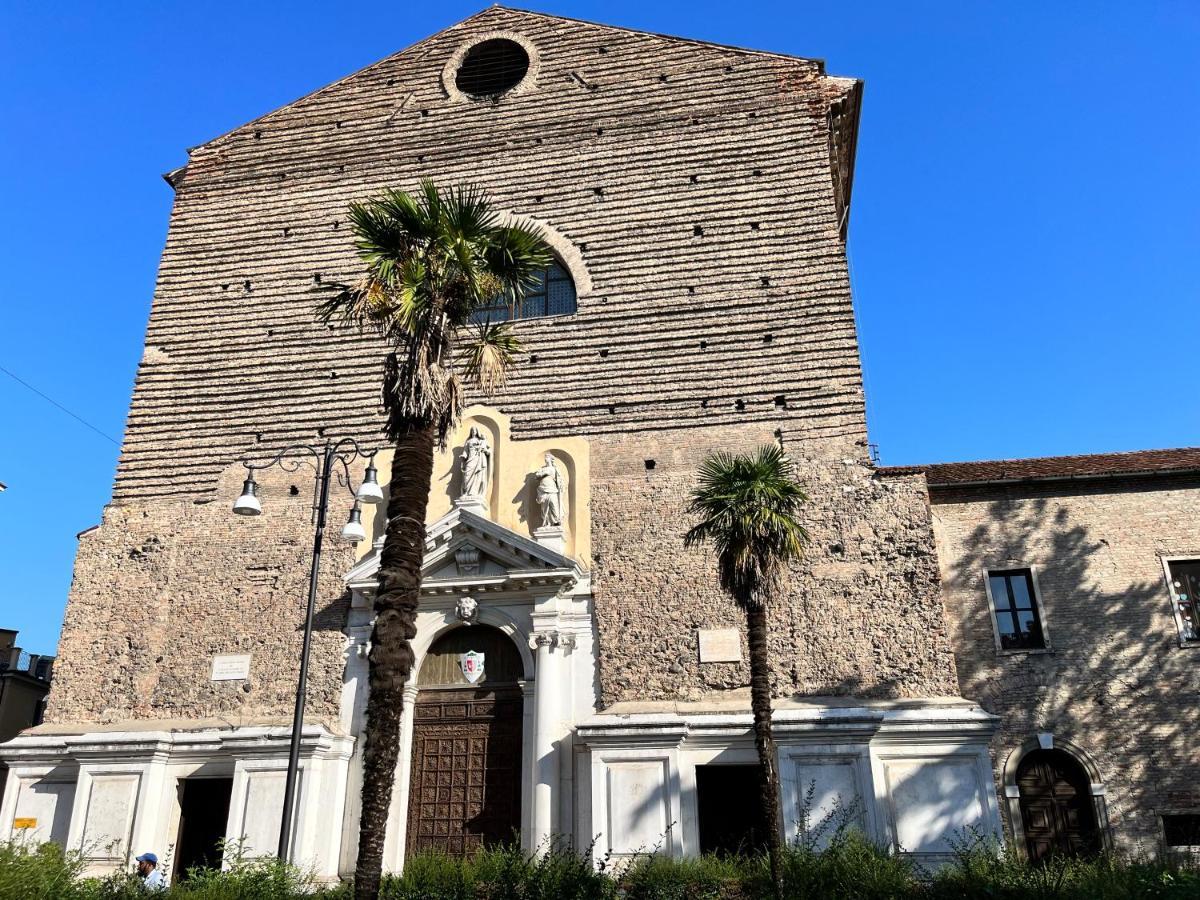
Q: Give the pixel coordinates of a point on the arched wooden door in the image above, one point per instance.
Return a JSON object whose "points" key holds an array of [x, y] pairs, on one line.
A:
{"points": [[1057, 811], [465, 790]]}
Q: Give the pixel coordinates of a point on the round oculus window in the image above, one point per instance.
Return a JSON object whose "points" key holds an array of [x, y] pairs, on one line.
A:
{"points": [[491, 68]]}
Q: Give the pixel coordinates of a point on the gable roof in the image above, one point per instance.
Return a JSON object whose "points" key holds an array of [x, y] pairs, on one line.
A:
{"points": [[1051, 468], [172, 177]]}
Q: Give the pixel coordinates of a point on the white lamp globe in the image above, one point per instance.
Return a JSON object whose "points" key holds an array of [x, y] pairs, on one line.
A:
{"points": [[248, 504], [353, 531], [370, 491]]}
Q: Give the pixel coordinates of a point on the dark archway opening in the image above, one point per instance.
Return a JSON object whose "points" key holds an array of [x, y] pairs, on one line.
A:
{"points": [[203, 814], [1058, 814], [729, 809]]}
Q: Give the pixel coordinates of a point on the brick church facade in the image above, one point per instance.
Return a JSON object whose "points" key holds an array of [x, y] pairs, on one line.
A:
{"points": [[697, 199]]}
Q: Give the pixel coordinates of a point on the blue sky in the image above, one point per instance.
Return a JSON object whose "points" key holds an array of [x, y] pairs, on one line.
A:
{"points": [[1025, 238]]}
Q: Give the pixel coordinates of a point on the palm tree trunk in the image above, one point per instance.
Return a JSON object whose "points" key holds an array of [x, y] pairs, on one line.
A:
{"points": [[391, 659], [760, 703]]}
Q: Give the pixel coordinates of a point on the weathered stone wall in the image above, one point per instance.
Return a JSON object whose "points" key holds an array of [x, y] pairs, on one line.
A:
{"points": [[695, 184], [864, 615], [1116, 683], [693, 180], [160, 587]]}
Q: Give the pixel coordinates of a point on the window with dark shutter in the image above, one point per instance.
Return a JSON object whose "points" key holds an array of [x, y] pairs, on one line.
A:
{"points": [[1181, 829]]}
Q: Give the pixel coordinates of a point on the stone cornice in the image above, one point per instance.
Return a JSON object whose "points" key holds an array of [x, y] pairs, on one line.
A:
{"points": [[811, 725], [144, 746]]}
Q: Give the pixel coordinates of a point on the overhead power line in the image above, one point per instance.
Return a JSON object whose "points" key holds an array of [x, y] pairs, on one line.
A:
{"points": [[54, 402]]}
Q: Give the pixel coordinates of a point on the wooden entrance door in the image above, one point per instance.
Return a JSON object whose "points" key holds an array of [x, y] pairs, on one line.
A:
{"points": [[465, 790], [1057, 811]]}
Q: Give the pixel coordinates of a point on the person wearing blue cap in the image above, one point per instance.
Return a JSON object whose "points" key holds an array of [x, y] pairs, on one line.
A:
{"points": [[152, 879]]}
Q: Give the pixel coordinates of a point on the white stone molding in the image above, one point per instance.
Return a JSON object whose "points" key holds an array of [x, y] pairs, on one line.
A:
{"points": [[821, 782], [450, 70], [863, 757], [119, 785], [635, 803], [552, 536], [552, 639]]}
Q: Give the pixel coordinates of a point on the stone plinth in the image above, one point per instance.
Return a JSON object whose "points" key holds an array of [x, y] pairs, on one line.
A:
{"points": [[552, 536], [474, 504]]}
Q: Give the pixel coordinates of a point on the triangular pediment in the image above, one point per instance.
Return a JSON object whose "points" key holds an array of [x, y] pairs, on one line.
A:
{"points": [[467, 551], [385, 88]]}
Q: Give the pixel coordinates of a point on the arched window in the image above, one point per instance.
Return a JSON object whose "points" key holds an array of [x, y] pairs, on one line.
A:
{"points": [[553, 295]]}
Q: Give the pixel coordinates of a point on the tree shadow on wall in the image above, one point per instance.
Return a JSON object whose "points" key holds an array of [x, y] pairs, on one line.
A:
{"points": [[1114, 680]]}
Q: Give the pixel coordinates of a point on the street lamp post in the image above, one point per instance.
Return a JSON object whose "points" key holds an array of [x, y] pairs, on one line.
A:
{"points": [[344, 451]]}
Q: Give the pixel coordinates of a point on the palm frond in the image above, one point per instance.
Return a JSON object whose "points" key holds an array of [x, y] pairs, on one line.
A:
{"points": [[489, 354], [433, 258], [749, 507], [517, 255]]}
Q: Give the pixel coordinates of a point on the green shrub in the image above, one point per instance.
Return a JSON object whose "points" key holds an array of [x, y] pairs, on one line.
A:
{"points": [[39, 871], [246, 879], [704, 878], [505, 873], [849, 867], [980, 870]]}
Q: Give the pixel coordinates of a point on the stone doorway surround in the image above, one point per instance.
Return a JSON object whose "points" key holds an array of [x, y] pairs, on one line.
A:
{"points": [[478, 572], [1012, 792]]}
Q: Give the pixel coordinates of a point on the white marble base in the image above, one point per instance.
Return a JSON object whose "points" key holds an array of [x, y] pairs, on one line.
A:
{"points": [[914, 778], [552, 536], [114, 794], [475, 504]]}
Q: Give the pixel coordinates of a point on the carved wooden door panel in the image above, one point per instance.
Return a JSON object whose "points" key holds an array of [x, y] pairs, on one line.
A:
{"points": [[465, 791], [1057, 811]]}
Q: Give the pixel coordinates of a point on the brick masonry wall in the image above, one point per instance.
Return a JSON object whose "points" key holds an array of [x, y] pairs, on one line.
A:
{"points": [[694, 182], [1117, 683]]}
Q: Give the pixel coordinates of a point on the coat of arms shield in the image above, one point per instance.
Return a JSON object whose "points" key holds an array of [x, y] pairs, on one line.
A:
{"points": [[471, 664]]}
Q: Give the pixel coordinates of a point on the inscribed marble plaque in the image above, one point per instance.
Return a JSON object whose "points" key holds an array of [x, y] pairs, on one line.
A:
{"points": [[228, 667], [720, 645]]}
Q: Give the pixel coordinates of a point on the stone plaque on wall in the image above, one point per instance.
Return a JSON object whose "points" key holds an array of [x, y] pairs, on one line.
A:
{"points": [[720, 645], [230, 667]]}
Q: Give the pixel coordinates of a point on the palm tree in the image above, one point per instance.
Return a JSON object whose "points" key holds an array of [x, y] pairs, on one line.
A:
{"points": [[433, 260], [749, 507]]}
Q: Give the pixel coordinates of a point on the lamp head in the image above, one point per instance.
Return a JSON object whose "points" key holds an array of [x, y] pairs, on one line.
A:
{"points": [[248, 504], [370, 491], [353, 531]]}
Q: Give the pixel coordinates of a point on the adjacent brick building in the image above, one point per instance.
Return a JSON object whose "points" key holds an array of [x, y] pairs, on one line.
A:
{"points": [[1110, 546], [697, 199]]}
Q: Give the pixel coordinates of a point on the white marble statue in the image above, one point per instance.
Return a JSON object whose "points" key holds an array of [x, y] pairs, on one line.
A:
{"points": [[476, 465], [551, 494]]}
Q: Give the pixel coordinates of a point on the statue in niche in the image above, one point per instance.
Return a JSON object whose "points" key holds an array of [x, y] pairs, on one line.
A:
{"points": [[476, 464], [551, 494]]}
